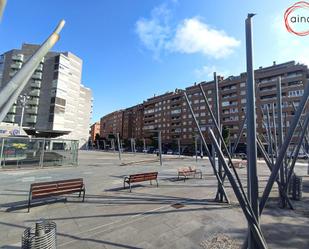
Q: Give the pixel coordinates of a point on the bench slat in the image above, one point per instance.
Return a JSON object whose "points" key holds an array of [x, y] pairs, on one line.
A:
{"points": [[56, 182], [54, 193]]}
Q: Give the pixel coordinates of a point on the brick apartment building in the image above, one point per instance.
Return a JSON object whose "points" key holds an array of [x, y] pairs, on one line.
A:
{"points": [[111, 124], [133, 121], [94, 130], [170, 114]]}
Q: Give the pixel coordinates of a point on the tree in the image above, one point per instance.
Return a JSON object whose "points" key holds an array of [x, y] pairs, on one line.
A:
{"points": [[97, 137], [225, 134]]}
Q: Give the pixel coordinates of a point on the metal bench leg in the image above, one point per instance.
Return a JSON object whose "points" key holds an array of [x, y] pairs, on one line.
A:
{"points": [[29, 202], [84, 195], [150, 182], [157, 183], [130, 187]]}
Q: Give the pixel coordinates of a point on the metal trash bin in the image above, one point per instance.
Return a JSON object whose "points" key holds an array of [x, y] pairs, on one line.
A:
{"points": [[42, 236], [297, 188]]}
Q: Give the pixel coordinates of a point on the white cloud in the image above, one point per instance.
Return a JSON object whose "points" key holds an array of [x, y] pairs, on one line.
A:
{"points": [[194, 36], [206, 72], [155, 31], [190, 36], [290, 46]]}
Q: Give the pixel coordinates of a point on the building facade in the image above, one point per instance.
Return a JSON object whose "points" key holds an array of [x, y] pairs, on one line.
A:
{"points": [[94, 130], [58, 104], [111, 124]]}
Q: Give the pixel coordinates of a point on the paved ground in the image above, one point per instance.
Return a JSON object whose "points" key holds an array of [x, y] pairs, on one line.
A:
{"points": [[114, 218]]}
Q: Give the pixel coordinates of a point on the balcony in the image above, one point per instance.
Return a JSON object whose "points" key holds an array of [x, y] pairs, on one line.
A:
{"points": [[32, 110], [13, 109], [16, 65], [39, 68], [31, 119], [37, 76], [13, 72], [177, 111], [34, 101], [9, 118], [35, 84], [18, 57], [35, 93]]}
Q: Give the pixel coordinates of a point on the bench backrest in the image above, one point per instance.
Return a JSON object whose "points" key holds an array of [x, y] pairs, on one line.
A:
{"points": [[42, 189], [143, 177], [187, 169]]}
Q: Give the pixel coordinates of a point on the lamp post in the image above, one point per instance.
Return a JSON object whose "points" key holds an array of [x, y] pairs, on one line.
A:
{"points": [[23, 99]]}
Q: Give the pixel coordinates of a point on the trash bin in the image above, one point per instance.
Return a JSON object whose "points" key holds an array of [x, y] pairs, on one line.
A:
{"points": [[297, 188], [42, 236]]}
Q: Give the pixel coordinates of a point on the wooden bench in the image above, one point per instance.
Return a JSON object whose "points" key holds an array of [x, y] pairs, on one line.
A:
{"points": [[140, 178], [47, 189], [187, 171], [239, 163]]}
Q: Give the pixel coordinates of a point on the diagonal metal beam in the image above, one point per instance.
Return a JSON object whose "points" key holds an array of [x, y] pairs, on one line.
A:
{"points": [[244, 204], [270, 166], [206, 149], [284, 148], [297, 152], [13, 88], [217, 129]]}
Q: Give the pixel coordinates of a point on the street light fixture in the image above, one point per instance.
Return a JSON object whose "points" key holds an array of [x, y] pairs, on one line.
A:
{"points": [[23, 100]]}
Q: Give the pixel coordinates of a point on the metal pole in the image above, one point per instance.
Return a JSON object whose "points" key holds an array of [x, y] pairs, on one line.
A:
{"points": [[42, 153], [119, 146], [253, 189], [270, 166], [270, 145], [218, 131], [239, 136], [201, 149], [132, 145], [23, 102], [1, 153], [280, 135], [206, 148], [301, 127], [160, 146], [144, 140], [243, 202], [217, 116], [296, 153], [2, 6], [195, 146], [178, 147], [283, 148], [274, 130]]}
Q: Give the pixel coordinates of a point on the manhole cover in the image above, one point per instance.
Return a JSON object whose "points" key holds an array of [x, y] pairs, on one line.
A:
{"points": [[177, 205]]}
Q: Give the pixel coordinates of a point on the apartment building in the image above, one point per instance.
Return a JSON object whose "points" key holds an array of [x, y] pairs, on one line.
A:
{"points": [[170, 114], [133, 122], [111, 124], [58, 104], [94, 130]]}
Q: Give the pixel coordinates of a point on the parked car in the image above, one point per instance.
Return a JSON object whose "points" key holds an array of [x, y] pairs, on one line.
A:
{"points": [[303, 156], [155, 151], [243, 156], [169, 152]]}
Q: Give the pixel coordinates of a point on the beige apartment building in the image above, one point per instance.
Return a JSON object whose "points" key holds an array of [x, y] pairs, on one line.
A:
{"points": [[58, 104]]}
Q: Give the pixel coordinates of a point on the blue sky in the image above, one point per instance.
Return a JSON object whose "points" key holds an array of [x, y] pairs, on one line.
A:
{"points": [[133, 49]]}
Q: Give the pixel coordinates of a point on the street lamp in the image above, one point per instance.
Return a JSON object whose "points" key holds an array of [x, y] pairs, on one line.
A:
{"points": [[23, 100]]}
